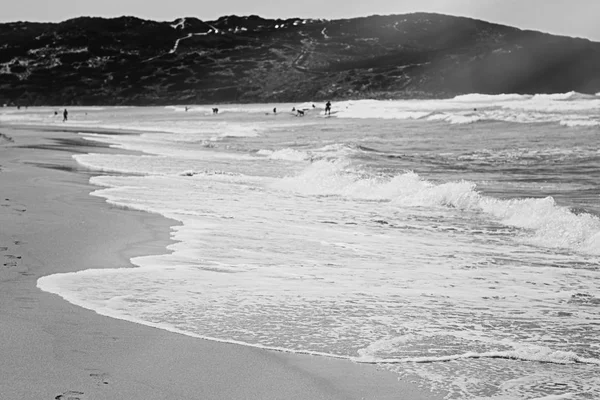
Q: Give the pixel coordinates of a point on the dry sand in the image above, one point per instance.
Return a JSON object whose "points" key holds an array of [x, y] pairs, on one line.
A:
{"points": [[51, 349]]}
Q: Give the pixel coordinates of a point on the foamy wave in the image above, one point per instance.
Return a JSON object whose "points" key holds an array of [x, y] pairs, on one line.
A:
{"points": [[579, 122], [553, 226], [207, 172], [336, 178], [477, 98], [524, 156], [523, 353], [563, 96], [116, 307], [328, 152], [381, 112], [285, 154], [550, 225], [470, 108], [457, 119]]}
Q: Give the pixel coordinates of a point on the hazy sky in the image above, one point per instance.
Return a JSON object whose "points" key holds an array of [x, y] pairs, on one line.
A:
{"points": [[563, 17]]}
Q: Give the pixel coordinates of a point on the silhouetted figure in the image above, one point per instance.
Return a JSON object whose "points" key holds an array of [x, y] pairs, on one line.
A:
{"points": [[215, 110], [293, 109], [328, 108], [186, 108], [274, 110], [314, 106], [300, 113], [18, 107], [65, 115], [55, 112]]}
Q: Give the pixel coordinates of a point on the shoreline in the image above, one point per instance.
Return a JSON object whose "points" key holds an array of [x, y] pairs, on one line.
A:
{"points": [[56, 350]]}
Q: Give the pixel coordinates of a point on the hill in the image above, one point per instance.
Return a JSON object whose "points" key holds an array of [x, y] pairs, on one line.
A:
{"points": [[128, 60]]}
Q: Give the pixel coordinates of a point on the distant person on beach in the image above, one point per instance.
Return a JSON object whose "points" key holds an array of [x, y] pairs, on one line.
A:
{"points": [[186, 108], [275, 110], [65, 115], [328, 108], [215, 110]]}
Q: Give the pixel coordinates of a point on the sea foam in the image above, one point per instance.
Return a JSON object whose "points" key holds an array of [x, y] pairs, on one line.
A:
{"points": [[325, 242], [472, 108], [551, 225]]}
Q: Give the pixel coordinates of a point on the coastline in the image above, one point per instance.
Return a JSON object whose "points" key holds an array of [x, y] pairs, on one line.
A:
{"points": [[52, 349]]}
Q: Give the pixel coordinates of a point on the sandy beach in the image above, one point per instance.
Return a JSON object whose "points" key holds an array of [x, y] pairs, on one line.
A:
{"points": [[51, 349]]}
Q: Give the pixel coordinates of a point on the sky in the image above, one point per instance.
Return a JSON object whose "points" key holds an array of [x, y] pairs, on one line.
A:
{"points": [[562, 17]]}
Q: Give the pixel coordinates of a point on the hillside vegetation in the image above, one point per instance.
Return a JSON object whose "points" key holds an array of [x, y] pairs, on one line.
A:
{"points": [[128, 60]]}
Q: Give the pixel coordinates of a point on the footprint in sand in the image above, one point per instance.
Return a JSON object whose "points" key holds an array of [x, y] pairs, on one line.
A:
{"points": [[100, 377], [5, 138], [70, 395], [16, 207], [13, 260]]}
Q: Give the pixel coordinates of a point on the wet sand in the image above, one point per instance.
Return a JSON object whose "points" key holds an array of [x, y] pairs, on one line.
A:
{"points": [[51, 349]]}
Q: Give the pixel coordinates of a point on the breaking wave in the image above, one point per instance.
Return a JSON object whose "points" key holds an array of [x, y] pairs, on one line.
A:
{"points": [[285, 154], [470, 108], [327, 152], [544, 223], [476, 97], [579, 122]]}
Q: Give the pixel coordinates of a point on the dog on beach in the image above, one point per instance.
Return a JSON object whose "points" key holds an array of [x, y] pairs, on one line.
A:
{"points": [[300, 113]]}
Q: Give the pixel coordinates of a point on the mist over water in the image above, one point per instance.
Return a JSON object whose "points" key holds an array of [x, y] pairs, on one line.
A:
{"points": [[464, 249]]}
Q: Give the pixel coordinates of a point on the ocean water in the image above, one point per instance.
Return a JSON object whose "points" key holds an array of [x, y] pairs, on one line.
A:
{"points": [[456, 240]]}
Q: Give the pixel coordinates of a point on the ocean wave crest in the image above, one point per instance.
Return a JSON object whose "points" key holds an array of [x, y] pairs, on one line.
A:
{"points": [[544, 223], [559, 108], [285, 154]]}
